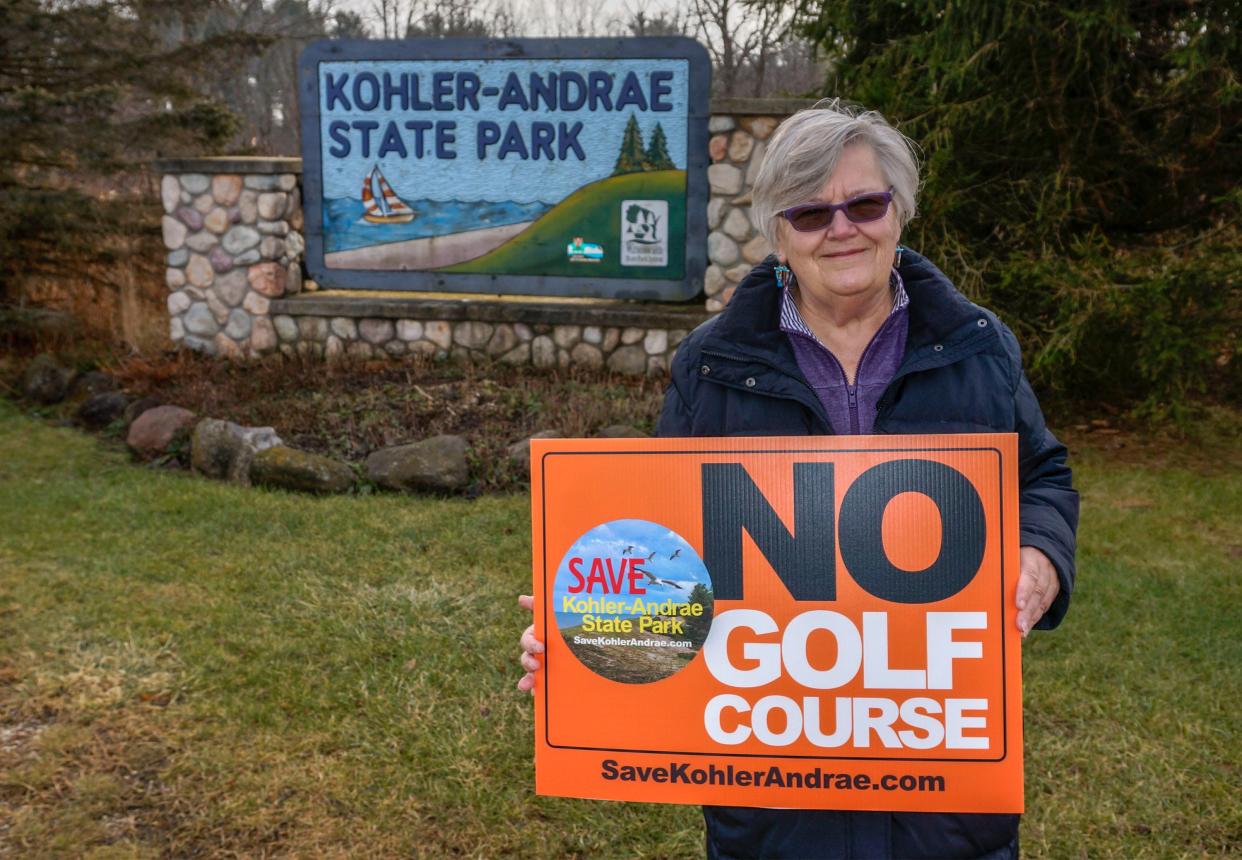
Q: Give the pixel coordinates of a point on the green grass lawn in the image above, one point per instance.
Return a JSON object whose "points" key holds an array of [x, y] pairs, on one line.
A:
{"points": [[192, 669]]}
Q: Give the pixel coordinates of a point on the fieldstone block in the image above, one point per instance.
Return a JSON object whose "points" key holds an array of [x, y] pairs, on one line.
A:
{"points": [[231, 287], [472, 334], [586, 355], [202, 241], [395, 347], [358, 349], [290, 469], [174, 279], [503, 340], [756, 161], [287, 181], [224, 450], [740, 146], [195, 183], [312, 328], [219, 309], [256, 304], [376, 331], [656, 342], [203, 204], [190, 218], [226, 188], [248, 207], [272, 205], [178, 258], [721, 250], [286, 327], [220, 260], [718, 146], [247, 258], [344, 328], [293, 279], [724, 179], [737, 225], [592, 334], [632, 335], [517, 356], [178, 303], [543, 352], [274, 228], [410, 330], [565, 336], [174, 232], [155, 430], [715, 211], [437, 464], [176, 329], [718, 124], [240, 238], [438, 332], [760, 126], [755, 250], [238, 327], [267, 278], [735, 274], [333, 348], [271, 247], [200, 320], [262, 335], [612, 337], [630, 360], [713, 279], [217, 220], [170, 193]]}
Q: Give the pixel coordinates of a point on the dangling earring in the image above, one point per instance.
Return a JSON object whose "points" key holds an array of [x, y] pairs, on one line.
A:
{"points": [[781, 271], [897, 262]]}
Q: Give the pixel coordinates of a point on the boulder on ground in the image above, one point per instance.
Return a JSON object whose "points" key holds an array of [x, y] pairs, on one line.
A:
{"points": [[437, 464], [100, 410], [46, 381], [621, 431], [224, 450], [154, 431], [519, 452], [291, 469], [88, 384], [139, 406]]}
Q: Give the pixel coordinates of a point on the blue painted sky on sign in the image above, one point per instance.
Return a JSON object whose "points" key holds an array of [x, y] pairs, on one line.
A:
{"points": [[403, 111]]}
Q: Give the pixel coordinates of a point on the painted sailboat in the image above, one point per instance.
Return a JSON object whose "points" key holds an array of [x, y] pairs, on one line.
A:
{"points": [[381, 203]]}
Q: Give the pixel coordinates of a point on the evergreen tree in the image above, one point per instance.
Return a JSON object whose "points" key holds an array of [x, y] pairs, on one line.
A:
{"points": [[1082, 173], [631, 158], [657, 157], [697, 627]]}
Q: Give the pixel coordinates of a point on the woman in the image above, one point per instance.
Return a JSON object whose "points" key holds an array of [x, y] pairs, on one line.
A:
{"points": [[842, 331]]}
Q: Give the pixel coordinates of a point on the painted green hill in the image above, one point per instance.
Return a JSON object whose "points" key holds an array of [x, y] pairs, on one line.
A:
{"points": [[593, 212]]}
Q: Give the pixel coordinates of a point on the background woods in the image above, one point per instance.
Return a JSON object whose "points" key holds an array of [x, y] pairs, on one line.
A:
{"points": [[1082, 162]]}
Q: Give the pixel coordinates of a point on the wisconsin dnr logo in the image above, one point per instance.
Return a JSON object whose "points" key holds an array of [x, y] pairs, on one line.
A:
{"points": [[644, 232], [633, 601]]}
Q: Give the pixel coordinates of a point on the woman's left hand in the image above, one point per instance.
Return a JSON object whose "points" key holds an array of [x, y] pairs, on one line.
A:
{"points": [[1038, 586]]}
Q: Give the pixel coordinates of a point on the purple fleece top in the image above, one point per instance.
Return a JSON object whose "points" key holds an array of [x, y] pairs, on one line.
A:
{"points": [[851, 408]]}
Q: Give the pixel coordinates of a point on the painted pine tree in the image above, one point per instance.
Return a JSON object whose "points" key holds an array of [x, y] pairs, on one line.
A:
{"points": [[632, 158], [657, 151]]}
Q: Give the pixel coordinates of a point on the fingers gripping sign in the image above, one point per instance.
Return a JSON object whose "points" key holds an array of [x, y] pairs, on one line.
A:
{"points": [[1038, 586], [531, 648]]}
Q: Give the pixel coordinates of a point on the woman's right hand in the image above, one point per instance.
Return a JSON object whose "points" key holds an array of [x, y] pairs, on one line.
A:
{"points": [[530, 648]]}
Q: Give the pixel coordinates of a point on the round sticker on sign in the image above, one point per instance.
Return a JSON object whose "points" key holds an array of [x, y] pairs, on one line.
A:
{"points": [[633, 601]]}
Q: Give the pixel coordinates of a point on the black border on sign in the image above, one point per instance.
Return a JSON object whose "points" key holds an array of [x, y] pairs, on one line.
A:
{"points": [[661, 47], [1004, 684]]}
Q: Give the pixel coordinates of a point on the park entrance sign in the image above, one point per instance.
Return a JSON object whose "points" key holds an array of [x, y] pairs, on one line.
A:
{"points": [[818, 623], [567, 167]]}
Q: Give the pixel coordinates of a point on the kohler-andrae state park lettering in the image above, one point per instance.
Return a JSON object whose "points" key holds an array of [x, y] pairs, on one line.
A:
{"points": [[464, 161], [781, 622]]}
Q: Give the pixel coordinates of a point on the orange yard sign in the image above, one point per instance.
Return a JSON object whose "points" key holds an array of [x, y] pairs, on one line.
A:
{"points": [[818, 623]]}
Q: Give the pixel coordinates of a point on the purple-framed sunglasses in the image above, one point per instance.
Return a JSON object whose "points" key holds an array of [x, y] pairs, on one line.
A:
{"points": [[861, 209]]}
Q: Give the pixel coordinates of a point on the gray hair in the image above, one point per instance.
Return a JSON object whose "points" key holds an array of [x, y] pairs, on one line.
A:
{"points": [[806, 147]]}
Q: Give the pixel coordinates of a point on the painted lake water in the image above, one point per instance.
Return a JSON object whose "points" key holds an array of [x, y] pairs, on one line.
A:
{"points": [[344, 228]]}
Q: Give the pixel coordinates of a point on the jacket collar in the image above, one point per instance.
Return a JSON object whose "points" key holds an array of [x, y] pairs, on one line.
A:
{"points": [[750, 324]]}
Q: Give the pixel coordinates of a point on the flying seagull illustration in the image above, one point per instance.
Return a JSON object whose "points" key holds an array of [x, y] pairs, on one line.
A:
{"points": [[676, 553], [653, 555], [629, 549], [652, 579]]}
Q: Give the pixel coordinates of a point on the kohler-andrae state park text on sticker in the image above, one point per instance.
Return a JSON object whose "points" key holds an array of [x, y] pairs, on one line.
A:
{"points": [[814, 623]]}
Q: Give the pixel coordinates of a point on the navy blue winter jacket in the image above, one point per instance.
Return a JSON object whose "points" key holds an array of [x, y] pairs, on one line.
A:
{"points": [[736, 375]]}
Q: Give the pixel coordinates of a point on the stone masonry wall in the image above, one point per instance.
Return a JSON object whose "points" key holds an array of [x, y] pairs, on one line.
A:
{"points": [[233, 230], [234, 243]]}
